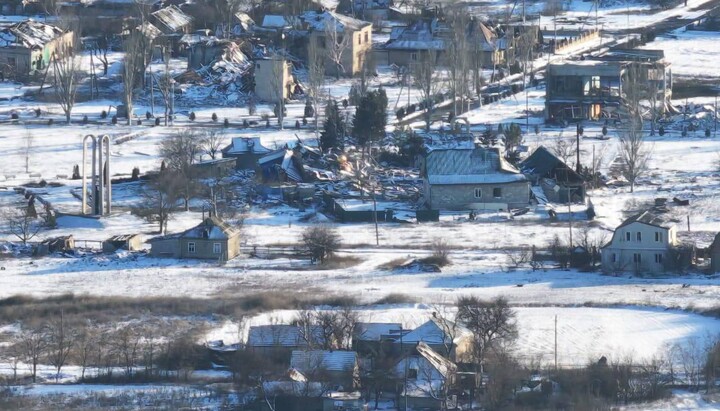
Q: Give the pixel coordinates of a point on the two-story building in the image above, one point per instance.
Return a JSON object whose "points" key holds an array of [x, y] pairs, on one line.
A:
{"points": [[598, 87], [642, 243], [353, 36]]}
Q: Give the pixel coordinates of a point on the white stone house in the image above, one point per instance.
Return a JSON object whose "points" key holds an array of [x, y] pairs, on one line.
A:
{"points": [[642, 243]]}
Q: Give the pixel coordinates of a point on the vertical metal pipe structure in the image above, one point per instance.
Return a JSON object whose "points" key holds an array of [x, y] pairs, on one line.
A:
{"points": [[105, 144], [84, 173]]}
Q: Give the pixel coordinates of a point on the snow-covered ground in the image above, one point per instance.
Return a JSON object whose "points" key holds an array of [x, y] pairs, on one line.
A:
{"points": [[681, 44]]}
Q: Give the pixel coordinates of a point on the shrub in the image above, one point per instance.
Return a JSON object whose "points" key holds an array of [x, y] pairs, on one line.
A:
{"points": [[440, 254], [135, 174], [148, 116], [214, 117], [114, 119], [297, 123], [226, 123], [14, 116], [245, 123], [85, 120], [103, 114], [320, 242], [157, 121], [192, 116], [37, 112]]}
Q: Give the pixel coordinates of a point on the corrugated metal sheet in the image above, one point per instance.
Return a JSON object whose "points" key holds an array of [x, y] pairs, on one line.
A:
{"points": [[309, 361]]}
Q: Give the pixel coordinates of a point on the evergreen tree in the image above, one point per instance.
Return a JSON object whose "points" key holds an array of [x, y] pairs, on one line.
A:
{"points": [[370, 117], [333, 128]]}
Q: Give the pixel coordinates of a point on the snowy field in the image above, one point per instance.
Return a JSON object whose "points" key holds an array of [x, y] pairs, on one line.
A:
{"points": [[681, 44]]}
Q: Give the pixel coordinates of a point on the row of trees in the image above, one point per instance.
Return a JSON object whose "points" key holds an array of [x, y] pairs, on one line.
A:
{"points": [[139, 349]]}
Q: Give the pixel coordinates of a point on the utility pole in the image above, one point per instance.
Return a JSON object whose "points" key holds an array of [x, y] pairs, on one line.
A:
{"points": [[578, 132], [556, 363]]}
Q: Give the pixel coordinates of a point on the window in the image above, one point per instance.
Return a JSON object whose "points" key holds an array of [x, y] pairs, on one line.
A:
{"points": [[413, 56], [191, 248], [497, 192], [359, 39], [367, 37], [627, 236], [478, 193], [636, 258], [658, 236], [614, 258], [412, 374], [659, 258], [638, 237], [217, 248]]}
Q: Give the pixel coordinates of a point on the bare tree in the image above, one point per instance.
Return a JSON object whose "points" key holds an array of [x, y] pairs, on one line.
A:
{"points": [[159, 199], [61, 340], [133, 67], [459, 59], [87, 340], [634, 151], [33, 343], [321, 242], [337, 42], [212, 142], [634, 154], [427, 79], [165, 85], [126, 346], [492, 324], [21, 223], [278, 82], [315, 81], [564, 149], [66, 75], [180, 151]]}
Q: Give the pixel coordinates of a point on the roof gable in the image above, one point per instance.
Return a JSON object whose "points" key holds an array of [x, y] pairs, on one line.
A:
{"points": [[543, 163], [646, 218]]}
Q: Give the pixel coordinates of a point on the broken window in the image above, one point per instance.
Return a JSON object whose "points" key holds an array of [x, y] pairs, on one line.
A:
{"points": [[497, 192], [478, 193]]}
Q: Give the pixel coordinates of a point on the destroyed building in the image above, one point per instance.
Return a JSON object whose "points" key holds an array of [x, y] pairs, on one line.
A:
{"points": [[28, 47], [599, 87]]}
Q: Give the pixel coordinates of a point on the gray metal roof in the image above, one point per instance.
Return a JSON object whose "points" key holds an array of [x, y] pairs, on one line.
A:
{"points": [[309, 361], [470, 166]]}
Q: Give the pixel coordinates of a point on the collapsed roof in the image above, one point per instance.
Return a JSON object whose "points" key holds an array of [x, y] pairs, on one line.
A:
{"points": [[29, 34]]}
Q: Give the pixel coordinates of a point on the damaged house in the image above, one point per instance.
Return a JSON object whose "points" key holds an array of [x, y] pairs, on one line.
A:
{"points": [[407, 44], [473, 179], [173, 23], [598, 87], [273, 78], [246, 151], [552, 179], [425, 379], [28, 47], [329, 32], [353, 36], [203, 51]]}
